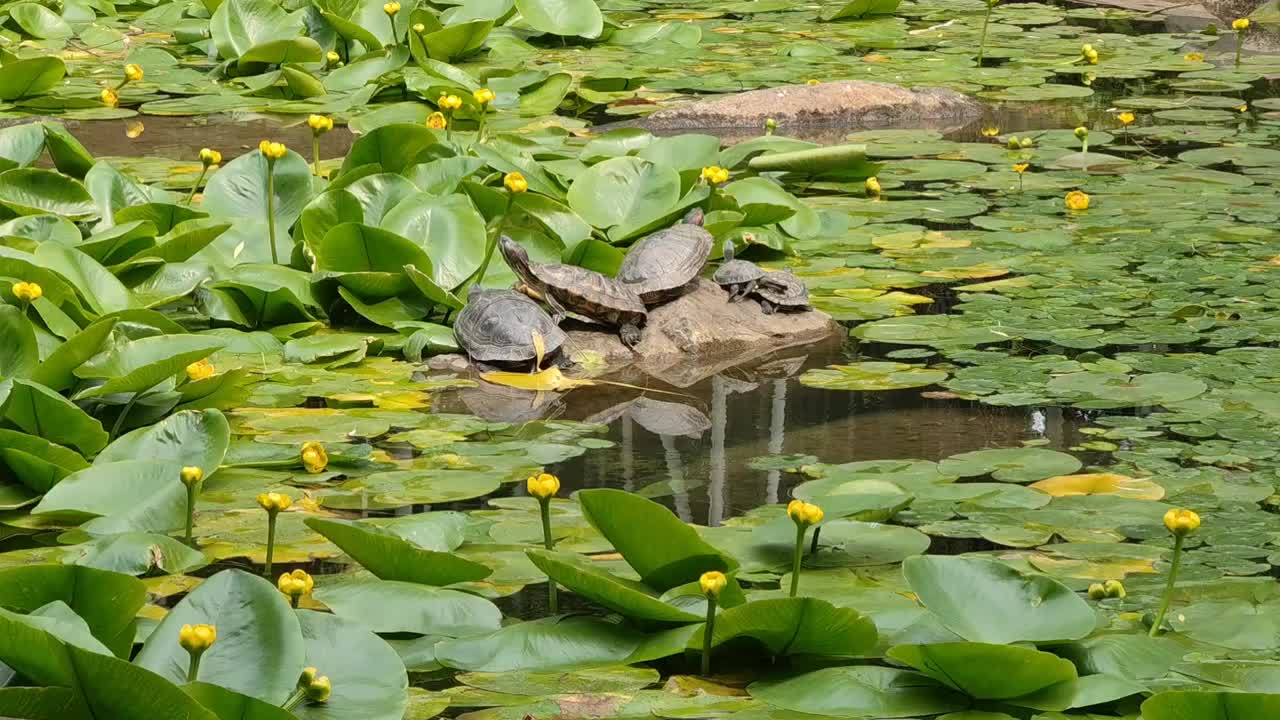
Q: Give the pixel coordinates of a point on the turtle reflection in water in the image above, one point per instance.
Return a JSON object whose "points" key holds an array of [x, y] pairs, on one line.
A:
{"points": [[665, 265], [781, 290], [582, 292], [738, 277], [498, 327]]}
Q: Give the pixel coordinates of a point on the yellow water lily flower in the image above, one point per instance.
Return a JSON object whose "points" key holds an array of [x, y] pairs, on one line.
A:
{"points": [[274, 502], [515, 182], [543, 485], [1181, 522], [391, 8], [1193, 57], [873, 187], [484, 96], [272, 150], [314, 457], [295, 584], [715, 174], [712, 583], [1021, 167], [1240, 24], [191, 475], [449, 102], [320, 124], [1115, 589], [437, 121], [109, 97], [1243, 108], [989, 131], [209, 157], [813, 81], [319, 689], [803, 513], [1126, 118], [1081, 133], [27, 292], [200, 370], [332, 56], [133, 72], [197, 638], [419, 28], [1097, 591], [1077, 200]]}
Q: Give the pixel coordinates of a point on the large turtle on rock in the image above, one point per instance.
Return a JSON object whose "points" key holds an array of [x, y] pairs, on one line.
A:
{"points": [[664, 265], [738, 277], [498, 326], [781, 290], [572, 289]]}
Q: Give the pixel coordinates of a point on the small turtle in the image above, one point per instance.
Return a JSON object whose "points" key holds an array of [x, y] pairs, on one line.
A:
{"points": [[498, 326], [572, 289], [781, 291], [738, 277], [664, 265]]}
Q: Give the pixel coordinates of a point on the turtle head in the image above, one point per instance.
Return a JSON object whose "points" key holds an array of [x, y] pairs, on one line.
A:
{"points": [[516, 256], [695, 216], [473, 292], [728, 250]]}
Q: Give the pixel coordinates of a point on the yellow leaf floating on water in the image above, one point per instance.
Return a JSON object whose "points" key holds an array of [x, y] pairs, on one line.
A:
{"points": [[541, 381], [1100, 484], [1103, 569]]}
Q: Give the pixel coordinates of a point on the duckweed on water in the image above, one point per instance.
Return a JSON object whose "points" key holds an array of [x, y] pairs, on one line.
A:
{"points": [[189, 343]]}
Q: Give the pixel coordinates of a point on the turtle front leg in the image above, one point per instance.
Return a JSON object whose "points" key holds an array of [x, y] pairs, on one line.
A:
{"points": [[766, 307], [748, 287], [630, 335], [558, 312]]}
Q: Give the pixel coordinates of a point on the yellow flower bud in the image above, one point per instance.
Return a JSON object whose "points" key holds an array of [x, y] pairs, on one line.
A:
{"points": [[109, 97], [332, 56], [714, 174], [1193, 56], [210, 157], [449, 102], [1126, 118], [1115, 589], [272, 150], [274, 502], [1021, 167], [200, 370], [803, 513], [515, 182], [197, 638], [320, 124], [1181, 522], [989, 131], [1081, 132], [391, 8], [1097, 591], [437, 121], [484, 96], [712, 583], [1026, 142], [812, 81], [27, 292], [295, 584], [133, 72], [543, 486], [419, 28], [319, 689], [1077, 200], [307, 677], [873, 187], [1240, 24], [1014, 143], [191, 475], [770, 125], [314, 457]]}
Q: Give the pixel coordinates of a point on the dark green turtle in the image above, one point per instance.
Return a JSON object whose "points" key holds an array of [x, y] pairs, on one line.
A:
{"points": [[664, 265], [781, 291], [497, 327], [738, 277], [572, 289]]}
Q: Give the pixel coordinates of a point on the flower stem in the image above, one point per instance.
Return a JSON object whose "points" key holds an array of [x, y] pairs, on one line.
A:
{"points": [[315, 155], [271, 541], [271, 209], [192, 195], [1239, 45], [707, 631], [295, 601], [553, 599], [1168, 587], [982, 44], [191, 513], [193, 669], [119, 424], [813, 546], [292, 701], [795, 563]]}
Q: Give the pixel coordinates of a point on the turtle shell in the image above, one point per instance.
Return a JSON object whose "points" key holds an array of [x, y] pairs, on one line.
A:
{"points": [[734, 272], [660, 266], [590, 294], [783, 289], [498, 326]]}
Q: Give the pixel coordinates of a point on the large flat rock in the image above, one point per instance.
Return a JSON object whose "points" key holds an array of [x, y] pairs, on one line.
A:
{"points": [[701, 333], [848, 103]]}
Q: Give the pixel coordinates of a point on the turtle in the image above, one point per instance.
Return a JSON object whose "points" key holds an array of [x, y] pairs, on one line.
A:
{"points": [[664, 265], [738, 277], [572, 289], [781, 290], [498, 327]]}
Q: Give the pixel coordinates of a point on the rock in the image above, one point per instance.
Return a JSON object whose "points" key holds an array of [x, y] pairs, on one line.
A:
{"points": [[849, 103], [699, 334], [451, 361]]}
